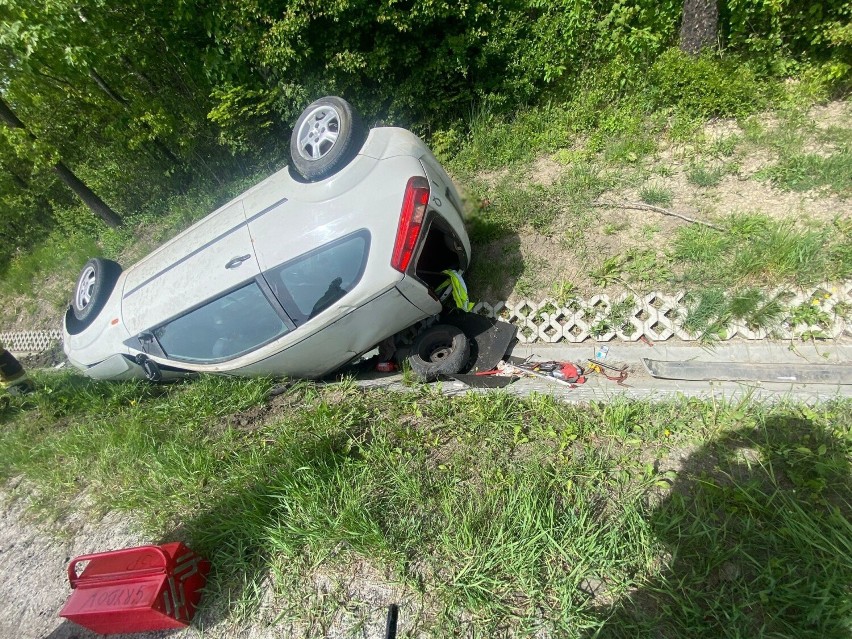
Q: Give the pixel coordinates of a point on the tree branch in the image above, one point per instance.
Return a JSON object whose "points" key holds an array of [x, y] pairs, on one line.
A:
{"points": [[640, 206]]}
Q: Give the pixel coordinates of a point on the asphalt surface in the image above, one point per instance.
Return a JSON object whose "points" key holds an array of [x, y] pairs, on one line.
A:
{"points": [[641, 385]]}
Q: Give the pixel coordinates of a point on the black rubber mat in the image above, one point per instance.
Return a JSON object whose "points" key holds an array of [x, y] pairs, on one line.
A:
{"points": [[490, 339]]}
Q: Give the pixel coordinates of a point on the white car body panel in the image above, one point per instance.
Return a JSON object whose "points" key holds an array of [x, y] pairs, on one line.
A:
{"points": [[277, 220], [103, 338], [157, 286], [348, 336]]}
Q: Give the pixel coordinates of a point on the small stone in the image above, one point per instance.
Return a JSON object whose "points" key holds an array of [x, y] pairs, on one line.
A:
{"points": [[591, 586], [729, 571]]}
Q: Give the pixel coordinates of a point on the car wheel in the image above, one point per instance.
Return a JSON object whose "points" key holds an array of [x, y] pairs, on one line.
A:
{"points": [[439, 350], [96, 281], [326, 137]]}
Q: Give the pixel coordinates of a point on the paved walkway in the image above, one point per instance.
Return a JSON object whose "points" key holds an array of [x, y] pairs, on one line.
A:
{"points": [[641, 385]]}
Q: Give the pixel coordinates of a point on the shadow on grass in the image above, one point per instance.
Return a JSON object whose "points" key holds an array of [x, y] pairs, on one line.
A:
{"points": [[758, 541], [312, 498]]}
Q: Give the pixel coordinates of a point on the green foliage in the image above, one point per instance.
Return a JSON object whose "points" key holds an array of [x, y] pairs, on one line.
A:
{"points": [[806, 171], [772, 30], [609, 272], [59, 253], [701, 175], [712, 310], [810, 314], [563, 292], [707, 85], [655, 194], [145, 100]]}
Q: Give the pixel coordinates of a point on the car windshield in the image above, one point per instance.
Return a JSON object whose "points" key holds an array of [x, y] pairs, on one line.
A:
{"points": [[312, 282], [225, 328]]}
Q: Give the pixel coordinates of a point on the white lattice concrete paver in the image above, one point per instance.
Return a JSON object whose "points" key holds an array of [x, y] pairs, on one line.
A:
{"points": [[655, 316]]}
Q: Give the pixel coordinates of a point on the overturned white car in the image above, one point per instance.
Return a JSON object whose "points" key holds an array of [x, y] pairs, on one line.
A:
{"points": [[297, 276]]}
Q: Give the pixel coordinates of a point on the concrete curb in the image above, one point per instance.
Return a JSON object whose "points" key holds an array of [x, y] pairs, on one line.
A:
{"points": [[765, 351], [642, 386]]}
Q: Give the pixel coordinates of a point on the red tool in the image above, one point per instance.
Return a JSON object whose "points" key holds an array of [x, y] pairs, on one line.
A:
{"points": [[136, 589], [569, 372]]}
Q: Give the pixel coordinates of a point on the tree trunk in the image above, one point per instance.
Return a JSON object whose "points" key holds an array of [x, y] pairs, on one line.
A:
{"points": [[699, 25], [106, 88], [8, 117], [89, 197]]}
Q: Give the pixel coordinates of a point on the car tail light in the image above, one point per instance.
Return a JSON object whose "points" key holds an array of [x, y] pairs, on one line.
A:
{"points": [[410, 221]]}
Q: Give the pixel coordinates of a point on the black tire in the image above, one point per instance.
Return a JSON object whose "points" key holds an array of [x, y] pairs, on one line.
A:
{"points": [[313, 155], [93, 288], [439, 350]]}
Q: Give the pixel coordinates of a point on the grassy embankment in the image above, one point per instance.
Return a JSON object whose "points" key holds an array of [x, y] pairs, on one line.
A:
{"points": [[546, 189], [494, 514]]}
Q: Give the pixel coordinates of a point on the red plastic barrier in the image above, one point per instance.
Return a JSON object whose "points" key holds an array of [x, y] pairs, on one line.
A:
{"points": [[136, 589]]}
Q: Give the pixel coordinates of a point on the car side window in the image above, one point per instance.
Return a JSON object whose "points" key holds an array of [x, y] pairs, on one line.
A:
{"points": [[227, 327], [309, 284]]}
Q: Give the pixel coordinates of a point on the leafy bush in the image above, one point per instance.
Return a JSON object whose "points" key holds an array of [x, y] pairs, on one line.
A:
{"points": [[707, 85], [772, 29]]}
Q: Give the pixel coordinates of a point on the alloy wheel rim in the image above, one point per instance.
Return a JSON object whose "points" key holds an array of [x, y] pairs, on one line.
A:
{"points": [[85, 288], [318, 133]]}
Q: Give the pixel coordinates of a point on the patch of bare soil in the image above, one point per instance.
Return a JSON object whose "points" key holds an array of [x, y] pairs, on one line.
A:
{"points": [[741, 194], [833, 114], [34, 560], [546, 171], [50, 358]]}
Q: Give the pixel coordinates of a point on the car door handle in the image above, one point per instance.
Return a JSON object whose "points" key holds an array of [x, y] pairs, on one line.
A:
{"points": [[236, 261]]}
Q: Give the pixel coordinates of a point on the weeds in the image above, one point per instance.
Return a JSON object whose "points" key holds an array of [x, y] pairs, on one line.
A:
{"points": [[810, 314], [564, 292], [806, 171], [58, 253], [700, 175], [656, 195], [758, 249], [615, 317], [725, 146], [712, 311], [609, 272]]}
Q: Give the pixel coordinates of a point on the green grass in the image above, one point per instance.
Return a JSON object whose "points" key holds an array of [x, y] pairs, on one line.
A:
{"points": [[806, 171], [755, 249], [498, 510], [57, 254], [656, 195], [712, 310], [701, 175], [798, 168], [47, 271], [514, 204]]}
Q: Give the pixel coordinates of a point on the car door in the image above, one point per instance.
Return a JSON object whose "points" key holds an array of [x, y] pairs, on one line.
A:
{"points": [[213, 256]]}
